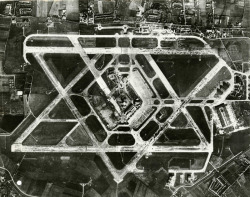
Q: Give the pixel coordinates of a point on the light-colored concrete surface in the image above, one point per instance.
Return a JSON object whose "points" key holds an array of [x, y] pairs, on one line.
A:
{"points": [[42, 8], [142, 89]]}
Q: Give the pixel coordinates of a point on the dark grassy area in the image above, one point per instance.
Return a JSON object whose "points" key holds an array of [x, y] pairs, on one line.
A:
{"points": [[52, 167], [87, 42], [121, 140], [184, 72], [124, 42], [123, 194], [241, 110], [40, 79], [183, 137], [29, 185], [79, 137], [65, 170], [83, 83], [49, 133], [208, 112], [149, 130], [180, 163], [160, 88], [199, 118], [222, 75], [104, 169], [148, 43], [131, 186], [49, 42], [218, 144], [120, 159], [241, 45], [169, 102], [42, 91], [168, 44], [96, 127], [180, 134], [159, 160], [131, 92], [100, 185], [81, 105], [86, 29], [124, 59], [180, 121], [102, 62], [74, 186], [239, 141], [124, 69], [65, 66], [195, 101], [190, 43], [38, 102], [107, 32], [142, 119], [145, 65], [164, 113], [91, 55], [2, 6], [9, 122], [22, 127], [61, 111], [154, 162], [105, 42], [123, 128], [14, 52], [95, 90]]}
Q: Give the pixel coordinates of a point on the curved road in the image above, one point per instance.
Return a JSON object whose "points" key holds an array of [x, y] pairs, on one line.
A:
{"points": [[15, 185]]}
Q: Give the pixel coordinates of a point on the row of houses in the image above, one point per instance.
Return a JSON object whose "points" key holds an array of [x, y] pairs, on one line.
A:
{"points": [[4, 35]]}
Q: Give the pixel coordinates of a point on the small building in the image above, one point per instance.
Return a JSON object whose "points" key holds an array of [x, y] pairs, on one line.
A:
{"points": [[218, 186], [226, 116], [25, 12], [11, 95], [4, 34], [23, 22], [171, 180], [7, 83]]}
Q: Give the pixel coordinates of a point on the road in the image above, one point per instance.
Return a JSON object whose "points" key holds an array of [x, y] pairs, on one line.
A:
{"points": [[209, 175], [148, 145], [101, 148], [15, 185]]}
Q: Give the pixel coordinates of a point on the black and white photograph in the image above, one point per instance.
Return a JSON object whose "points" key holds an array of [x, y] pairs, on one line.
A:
{"points": [[124, 98]]}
